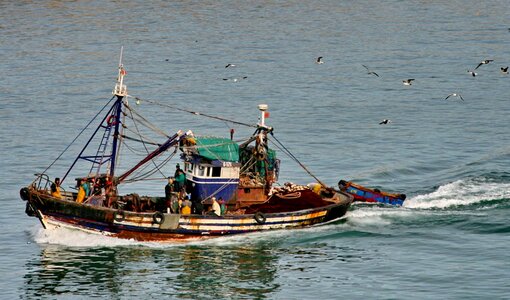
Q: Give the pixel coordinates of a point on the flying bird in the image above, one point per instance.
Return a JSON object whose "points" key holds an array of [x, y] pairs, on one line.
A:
{"points": [[385, 121], [472, 73], [407, 81], [230, 65], [370, 72], [484, 62], [454, 95], [504, 70], [319, 60], [235, 79]]}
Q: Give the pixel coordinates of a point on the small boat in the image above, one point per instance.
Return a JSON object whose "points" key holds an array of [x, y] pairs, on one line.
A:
{"points": [[364, 194], [241, 176]]}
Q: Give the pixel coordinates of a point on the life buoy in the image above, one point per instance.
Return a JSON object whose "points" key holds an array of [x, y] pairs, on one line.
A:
{"points": [[119, 216], [24, 194], [111, 120], [158, 218], [259, 218]]}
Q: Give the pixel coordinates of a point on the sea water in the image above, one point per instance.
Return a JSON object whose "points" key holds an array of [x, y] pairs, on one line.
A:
{"points": [[451, 157]]}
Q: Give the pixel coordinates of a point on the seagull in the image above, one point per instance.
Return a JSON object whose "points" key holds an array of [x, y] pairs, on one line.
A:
{"points": [[230, 65], [484, 62], [319, 60], [385, 121], [407, 81], [455, 95], [504, 70], [235, 79], [370, 72], [472, 73]]}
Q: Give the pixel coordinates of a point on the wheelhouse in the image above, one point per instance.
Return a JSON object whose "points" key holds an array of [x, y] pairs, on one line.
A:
{"points": [[216, 178]]}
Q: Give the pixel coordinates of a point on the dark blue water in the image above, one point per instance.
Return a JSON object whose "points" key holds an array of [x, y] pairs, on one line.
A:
{"points": [[450, 240]]}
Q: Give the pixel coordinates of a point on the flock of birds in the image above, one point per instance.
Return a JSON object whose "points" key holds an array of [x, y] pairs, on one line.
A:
{"points": [[233, 79], [409, 81]]}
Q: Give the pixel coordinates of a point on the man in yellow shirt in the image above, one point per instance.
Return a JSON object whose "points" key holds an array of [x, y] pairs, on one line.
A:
{"points": [[55, 189], [186, 207], [81, 192]]}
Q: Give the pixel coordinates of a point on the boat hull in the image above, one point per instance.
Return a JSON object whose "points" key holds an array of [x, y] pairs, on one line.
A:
{"points": [[156, 226], [364, 194]]}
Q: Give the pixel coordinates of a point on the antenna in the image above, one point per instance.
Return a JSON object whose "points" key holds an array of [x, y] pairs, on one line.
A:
{"points": [[263, 113], [120, 59], [120, 89]]}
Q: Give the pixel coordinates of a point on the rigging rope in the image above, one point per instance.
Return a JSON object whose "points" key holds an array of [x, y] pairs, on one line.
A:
{"points": [[143, 143], [194, 112], [286, 151], [147, 124], [144, 176], [79, 134]]}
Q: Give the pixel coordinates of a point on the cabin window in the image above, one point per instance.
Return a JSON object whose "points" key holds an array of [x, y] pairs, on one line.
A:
{"points": [[247, 190], [201, 171], [188, 168], [216, 171]]}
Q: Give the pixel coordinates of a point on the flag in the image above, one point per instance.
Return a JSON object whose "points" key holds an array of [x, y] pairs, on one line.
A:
{"points": [[266, 114]]}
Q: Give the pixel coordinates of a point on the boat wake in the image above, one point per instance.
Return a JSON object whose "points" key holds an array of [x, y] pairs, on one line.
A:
{"points": [[461, 197], [75, 238], [464, 192]]}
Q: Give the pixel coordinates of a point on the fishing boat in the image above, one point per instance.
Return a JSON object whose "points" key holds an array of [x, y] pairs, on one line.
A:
{"points": [[364, 194], [239, 176]]}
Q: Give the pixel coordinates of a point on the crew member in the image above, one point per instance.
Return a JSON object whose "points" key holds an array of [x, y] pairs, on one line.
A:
{"points": [[55, 189]]}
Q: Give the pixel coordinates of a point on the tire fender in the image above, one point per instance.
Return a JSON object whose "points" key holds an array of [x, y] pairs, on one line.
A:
{"points": [[259, 218], [24, 194], [158, 218], [119, 216]]}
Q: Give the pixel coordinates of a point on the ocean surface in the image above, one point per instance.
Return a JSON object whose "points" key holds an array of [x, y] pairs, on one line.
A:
{"points": [[451, 239]]}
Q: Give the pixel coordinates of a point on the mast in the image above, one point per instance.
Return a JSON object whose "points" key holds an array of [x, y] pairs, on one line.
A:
{"points": [[110, 121], [120, 90], [261, 144]]}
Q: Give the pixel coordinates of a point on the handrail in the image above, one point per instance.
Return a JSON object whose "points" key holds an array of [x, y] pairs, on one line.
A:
{"points": [[38, 181], [43, 182]]}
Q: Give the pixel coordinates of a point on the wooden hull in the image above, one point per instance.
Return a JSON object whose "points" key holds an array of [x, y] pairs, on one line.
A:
{"points": [[155, 226], [364, 194]]}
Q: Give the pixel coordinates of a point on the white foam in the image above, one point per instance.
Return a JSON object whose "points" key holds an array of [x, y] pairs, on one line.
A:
{"points": [[75, 238], [368, 216], [374, 215], [461, 192]]}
